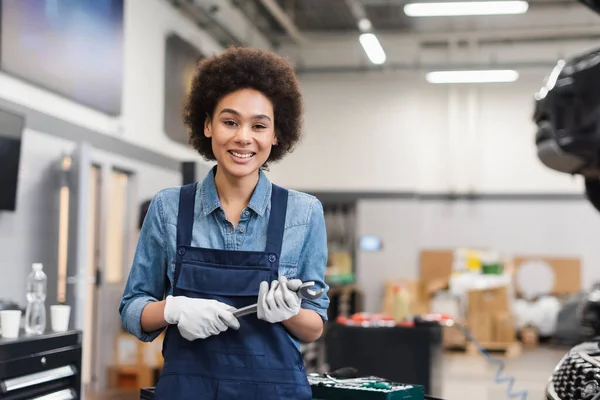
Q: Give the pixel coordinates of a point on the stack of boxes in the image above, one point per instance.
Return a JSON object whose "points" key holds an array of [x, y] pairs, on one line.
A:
{"points": [[489, 317], [488, 312]]}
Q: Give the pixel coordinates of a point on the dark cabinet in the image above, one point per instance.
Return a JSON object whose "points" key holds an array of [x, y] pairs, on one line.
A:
{"points": [[398, 354], [45, 367]]}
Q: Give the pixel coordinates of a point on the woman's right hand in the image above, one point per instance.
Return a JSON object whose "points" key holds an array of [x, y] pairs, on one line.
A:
{"points": [[199, 318]]}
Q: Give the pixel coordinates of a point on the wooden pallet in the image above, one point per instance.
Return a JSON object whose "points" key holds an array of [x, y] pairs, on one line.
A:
{"points": [[510, 349]]}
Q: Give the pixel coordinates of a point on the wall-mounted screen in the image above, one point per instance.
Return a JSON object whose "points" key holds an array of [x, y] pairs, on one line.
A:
{"points": [[370, 243], [180, 65], [70, 47], [11, 131]]}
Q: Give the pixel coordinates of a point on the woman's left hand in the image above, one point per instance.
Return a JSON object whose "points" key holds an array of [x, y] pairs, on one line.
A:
{"points": [[280, 302]]}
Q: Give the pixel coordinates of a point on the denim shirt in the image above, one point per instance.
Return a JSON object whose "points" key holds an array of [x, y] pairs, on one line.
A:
{"points": [[303, 254]]}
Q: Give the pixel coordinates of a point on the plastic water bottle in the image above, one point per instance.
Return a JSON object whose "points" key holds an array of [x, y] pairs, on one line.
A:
{"points": [[35, 316]]}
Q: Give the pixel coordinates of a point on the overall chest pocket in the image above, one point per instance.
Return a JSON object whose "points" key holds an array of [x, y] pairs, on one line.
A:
{"points": [[222, 280]]}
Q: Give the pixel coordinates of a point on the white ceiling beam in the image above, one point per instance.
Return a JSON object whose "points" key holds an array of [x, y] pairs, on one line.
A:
{"points": [[235, 22], [343, 52], [565, 32], [357, 9], [285, 21]]}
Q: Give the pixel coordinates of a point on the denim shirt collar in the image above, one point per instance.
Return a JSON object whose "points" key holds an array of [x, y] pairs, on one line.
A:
{"points": [[258, 202]]}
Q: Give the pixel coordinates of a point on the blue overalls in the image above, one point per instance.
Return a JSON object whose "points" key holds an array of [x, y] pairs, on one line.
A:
{"points": [[256, 362]]}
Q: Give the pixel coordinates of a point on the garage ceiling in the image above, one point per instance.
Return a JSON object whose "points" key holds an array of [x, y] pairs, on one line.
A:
{"points": [[323, 34], [336, 16]]}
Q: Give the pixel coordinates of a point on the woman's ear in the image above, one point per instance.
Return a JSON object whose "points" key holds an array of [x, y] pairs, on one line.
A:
{"points": [[274, 140], [207, 127]]}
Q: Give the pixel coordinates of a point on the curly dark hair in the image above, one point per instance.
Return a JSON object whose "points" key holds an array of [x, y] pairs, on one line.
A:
{"points": [[245, 68]]}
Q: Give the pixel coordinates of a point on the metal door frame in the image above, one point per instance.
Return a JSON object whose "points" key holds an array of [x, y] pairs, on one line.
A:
{"points": [[78, 279]]}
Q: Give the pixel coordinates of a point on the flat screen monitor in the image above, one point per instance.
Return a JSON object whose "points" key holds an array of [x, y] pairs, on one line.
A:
{"points": [[181, 61], [370, 243], [73, 48], [11, 131]]}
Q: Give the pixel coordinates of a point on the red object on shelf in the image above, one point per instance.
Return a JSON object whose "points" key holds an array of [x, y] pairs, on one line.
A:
{"points": [[436, 317], [373, 320], [360, 317]]}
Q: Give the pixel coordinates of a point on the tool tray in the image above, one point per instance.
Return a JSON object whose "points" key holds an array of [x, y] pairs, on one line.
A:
{"points": [[364, 388]]}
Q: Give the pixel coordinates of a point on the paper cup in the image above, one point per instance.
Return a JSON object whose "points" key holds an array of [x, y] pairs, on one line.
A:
{"points": [[59, 316], [10, 322]]}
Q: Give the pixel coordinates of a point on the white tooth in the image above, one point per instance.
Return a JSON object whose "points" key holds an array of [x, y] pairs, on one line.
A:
{"points": [[242, 155]]}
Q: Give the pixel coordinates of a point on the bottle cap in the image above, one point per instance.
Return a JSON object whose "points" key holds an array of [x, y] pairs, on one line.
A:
{"points": [[37, 267]]}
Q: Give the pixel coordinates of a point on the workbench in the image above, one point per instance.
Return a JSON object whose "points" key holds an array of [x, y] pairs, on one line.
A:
{"points": [[363, 388]]}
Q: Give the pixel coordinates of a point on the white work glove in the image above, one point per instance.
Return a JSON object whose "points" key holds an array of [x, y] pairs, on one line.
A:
{"points": [[279, 302], [199, 318]]}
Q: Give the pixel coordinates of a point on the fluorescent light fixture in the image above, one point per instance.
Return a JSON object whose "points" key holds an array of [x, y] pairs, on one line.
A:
{"points": [[372, 48], [484, 76], [465, 8]]}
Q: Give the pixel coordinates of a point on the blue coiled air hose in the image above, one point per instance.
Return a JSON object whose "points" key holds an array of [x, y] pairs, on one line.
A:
{"points": [[499, 379]]}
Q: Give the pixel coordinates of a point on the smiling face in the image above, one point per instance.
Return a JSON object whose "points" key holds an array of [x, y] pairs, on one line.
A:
{"points": [[242, 130]]}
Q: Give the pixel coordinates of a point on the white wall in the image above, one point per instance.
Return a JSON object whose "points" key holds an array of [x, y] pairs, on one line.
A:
{"points": [[30, 233], [395, 132], [146, 24]]}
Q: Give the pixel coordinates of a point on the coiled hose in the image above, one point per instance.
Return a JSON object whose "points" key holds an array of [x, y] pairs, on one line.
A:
{"points": [[498, 379]]}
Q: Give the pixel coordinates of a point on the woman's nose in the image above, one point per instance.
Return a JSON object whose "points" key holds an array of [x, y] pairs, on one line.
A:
{"points": [[244, 134]]}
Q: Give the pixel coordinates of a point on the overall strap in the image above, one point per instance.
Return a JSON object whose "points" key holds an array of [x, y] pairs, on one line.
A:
{"points": [[185, 215], [279, 200]]}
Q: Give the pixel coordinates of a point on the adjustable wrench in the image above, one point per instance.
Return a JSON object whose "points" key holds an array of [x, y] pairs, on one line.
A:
{"points": [[304, 292]]}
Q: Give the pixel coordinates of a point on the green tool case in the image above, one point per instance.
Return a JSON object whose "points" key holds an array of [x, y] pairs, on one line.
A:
{"points": [[366, 388]]}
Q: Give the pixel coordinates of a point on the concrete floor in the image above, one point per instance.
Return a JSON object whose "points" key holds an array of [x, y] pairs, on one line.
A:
{"points": [[471, 377]]}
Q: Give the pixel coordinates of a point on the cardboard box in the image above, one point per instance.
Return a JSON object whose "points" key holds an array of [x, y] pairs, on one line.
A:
{"points": [[436, 266], [567, 273], [481, 327], [504, 328], [488, 301], [529, 336]]}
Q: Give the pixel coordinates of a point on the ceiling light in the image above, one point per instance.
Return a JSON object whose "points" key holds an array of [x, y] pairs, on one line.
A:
{"points": [[484, 76], [372, 48], [465, 8], [364, 25]]}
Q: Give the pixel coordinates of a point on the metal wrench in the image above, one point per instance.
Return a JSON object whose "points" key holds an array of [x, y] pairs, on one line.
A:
{"points": [[304, 292]]}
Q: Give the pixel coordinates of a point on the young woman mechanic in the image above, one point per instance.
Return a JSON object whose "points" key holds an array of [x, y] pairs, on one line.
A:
{"points": [[232, 240]]}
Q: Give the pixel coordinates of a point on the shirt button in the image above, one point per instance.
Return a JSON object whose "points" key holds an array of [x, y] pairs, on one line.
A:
{"points": [[272, 258], [246, 213], [242, 230]]}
